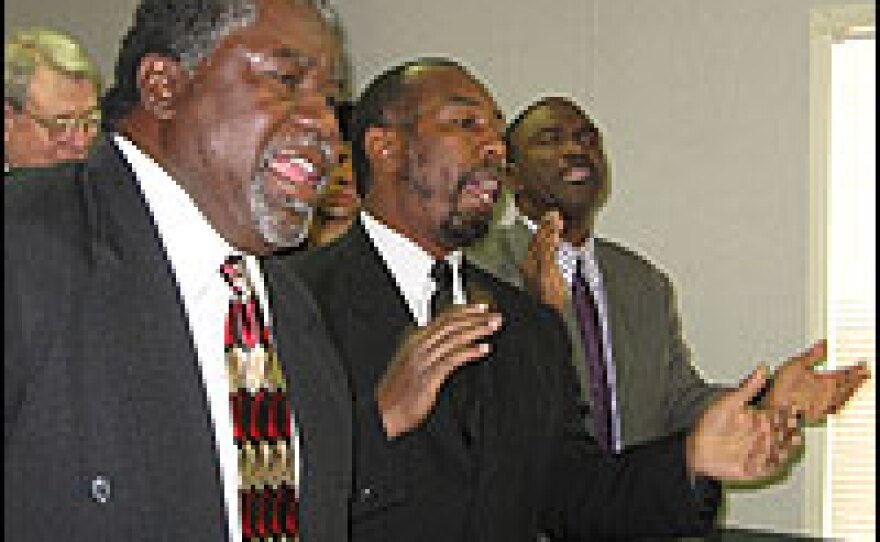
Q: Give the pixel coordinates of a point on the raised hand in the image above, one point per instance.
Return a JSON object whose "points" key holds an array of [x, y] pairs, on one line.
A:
{"points": [[736, 442], [540, 270], [799, 386], [408, 389]]}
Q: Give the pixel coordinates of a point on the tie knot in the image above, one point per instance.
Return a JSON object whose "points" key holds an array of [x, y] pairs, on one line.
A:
{"points": [[233, 271], [441, 273]]}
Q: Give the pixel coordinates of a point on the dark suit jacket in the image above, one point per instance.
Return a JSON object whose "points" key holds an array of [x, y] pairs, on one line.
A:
{"points": [[659, 391], [101, 380], [531, 465]]}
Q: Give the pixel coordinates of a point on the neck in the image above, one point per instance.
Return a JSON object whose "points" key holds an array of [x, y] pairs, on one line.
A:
{"points": [[375, 204], [149, 135]]}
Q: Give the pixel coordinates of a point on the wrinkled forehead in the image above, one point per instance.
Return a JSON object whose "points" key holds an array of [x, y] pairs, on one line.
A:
{"points": [[52, 92], [294, 29], [430, 87], [556, 115]]}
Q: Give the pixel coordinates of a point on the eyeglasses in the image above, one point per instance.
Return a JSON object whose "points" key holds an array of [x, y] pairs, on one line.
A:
{"points": [[60, 126]]}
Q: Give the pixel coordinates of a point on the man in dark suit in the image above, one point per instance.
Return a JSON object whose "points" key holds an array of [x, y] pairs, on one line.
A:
{"points": [[120, 360], [466, 420], [560, 183]]}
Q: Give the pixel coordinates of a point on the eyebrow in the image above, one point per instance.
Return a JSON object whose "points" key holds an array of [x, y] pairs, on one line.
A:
{"points": [[304, 60], [296, 55], [471, 102], [553, 130]]}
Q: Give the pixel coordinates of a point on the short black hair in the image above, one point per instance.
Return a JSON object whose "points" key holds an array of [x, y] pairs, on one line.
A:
{"points": [[513, 127], [184, 30], [387, 91]]}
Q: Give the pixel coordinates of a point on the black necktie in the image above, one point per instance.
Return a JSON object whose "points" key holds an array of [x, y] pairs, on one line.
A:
{"points": [[461, 385], [441, 274], [591, 334]]}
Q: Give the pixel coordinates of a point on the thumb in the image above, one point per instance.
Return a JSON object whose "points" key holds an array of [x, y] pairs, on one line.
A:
{"points": [[750, 387], [815, 354]]}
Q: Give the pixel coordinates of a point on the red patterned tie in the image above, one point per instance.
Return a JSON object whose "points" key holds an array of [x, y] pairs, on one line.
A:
{"points": [[261, 416]]}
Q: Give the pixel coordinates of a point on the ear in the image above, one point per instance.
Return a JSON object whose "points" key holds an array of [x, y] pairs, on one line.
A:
{"points": [[161, 81], [384, 148]]}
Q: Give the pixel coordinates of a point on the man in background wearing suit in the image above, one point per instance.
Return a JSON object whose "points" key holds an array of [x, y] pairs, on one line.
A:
{"points": [[466, 419], [559, 180], [158, 384]]}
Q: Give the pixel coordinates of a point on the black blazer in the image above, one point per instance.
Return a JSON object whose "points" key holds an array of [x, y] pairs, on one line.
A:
{"points": [[531, 466], [107, 433]]}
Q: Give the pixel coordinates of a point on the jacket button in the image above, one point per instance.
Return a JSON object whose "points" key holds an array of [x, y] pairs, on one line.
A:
{"points": [[100, 490]]}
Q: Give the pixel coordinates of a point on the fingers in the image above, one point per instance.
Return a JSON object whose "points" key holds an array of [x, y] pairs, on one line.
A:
{"points": [[751, 386], [451, 324], [845, 383], [774, 438], [815, 354], [439, 372], [408, 390], [457, 336], [546, 240]]}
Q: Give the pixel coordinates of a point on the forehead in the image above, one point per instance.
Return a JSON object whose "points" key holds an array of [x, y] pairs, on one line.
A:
{"points": [[290, 28], [54, 93], [437, 86], [555, 115]]}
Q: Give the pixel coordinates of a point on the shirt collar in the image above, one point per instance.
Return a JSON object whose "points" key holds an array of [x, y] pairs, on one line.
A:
{"points": [[187, 235], [410, 264]]}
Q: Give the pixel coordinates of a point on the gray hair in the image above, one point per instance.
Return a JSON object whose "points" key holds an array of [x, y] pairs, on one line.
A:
{"points": [[186, 30], [32, 47]]}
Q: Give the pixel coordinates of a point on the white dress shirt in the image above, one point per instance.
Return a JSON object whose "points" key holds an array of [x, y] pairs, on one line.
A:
{"points": [[196, 252], [567, 257], [410, 265]]}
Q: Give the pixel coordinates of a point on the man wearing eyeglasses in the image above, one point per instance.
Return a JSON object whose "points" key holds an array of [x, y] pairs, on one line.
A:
{"points": [[51, 92]]}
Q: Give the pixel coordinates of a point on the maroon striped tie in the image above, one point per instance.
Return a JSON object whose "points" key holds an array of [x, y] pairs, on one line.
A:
{"points": [[591, 334], [261, 416]]}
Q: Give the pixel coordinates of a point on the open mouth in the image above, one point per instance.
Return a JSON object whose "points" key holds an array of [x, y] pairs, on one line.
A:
{"points": [[297, 171], [482, 186], [578, 174], [297, 167]]}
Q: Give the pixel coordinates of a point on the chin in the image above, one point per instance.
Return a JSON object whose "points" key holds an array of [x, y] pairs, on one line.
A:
{"points": [[460, 233]]}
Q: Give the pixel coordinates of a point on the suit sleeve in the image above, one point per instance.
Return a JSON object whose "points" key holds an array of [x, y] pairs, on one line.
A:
{"points": [[14, 362], [689, 394], [644, 491]]}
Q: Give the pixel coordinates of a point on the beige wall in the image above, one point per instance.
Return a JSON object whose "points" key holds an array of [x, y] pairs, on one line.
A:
{"points": [[706, 110]]}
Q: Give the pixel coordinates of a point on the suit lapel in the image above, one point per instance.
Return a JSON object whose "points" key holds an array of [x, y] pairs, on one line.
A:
{"points": [[318, 394], [620, 325], [148, 359], [375, 297]]}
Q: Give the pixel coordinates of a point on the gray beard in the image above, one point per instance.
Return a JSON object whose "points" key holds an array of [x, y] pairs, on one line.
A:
{"points": [[273, 228]]}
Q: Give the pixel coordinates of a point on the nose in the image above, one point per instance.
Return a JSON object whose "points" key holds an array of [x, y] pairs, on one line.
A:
{"points": [[78, 139], [314, 112], [574, 147]]}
